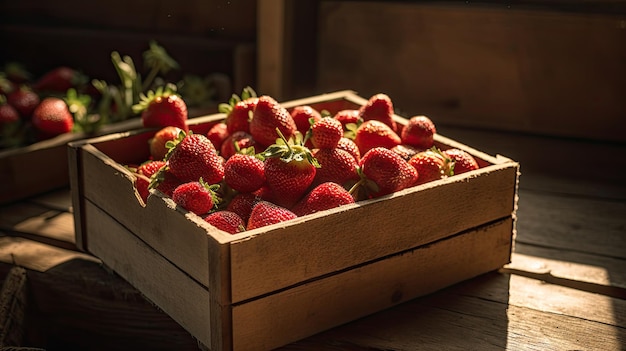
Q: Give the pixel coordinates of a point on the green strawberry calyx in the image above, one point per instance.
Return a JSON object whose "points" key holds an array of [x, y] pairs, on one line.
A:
{"points": [[246, 93], [146, 99], [364, 187], [290, 150]]}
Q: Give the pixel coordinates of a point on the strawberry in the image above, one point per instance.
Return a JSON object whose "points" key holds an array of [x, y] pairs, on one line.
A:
{"points": [[8, 113], [162, 108], [142, 183], [346, 117], [217, 134], [60, 79], [149, 168], [419, 132], [52, 117], [244, 172], [406, 151], [193, 156], [242, 204], [336, 165], [24, 100], [463, 161], [383, 172], [157, 143], [350, 146], [266, 213], [379, 107], [197, 196], [164, 181], [268, 116], [325, 133], [373, 134], [228, 221], [289, 169], [238, 110], [302, 116], [323, 197], [431, 165], [239, 140]]}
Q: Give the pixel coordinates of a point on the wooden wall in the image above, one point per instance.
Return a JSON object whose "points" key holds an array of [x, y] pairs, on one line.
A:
{"points": [[203, 36], [554, 68]]}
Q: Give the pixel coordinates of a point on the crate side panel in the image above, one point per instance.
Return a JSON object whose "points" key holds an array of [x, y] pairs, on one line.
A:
{"points": [[159, 224], [20, 172], [173, 291], [307, 309], [333, 240]]}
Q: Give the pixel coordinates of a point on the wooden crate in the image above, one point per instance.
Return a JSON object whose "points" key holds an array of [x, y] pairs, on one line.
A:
{"points": [[42, 166], [270, 286]]}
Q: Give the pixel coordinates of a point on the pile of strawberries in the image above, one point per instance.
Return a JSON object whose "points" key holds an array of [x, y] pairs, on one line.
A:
{"points": [[264, 164], [32, 110]]}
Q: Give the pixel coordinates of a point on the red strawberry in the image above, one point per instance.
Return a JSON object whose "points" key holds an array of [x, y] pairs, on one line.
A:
{"points": [[158, 148], [52, 117], [266, 213], [149, 168], [289, 169], [346, 117], [419, 132], [197, 196], [463, 161], [244, 172], [268, 116], [192, 157], [302, 116], [336, 165], [164, 181], [430, 165], [217, 134], [326, 133], [162, 108], [379, 107], [323, 197], [228, 221], [238, 110], [350, 146], [24, 100], [237, 141], [142, 183], [406, 151], [60, 79], [373, 134], [386, 170], [8, 113], [242, 204]]}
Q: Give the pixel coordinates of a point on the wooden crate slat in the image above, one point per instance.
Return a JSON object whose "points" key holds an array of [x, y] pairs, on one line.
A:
{"points": [[299, 312]]}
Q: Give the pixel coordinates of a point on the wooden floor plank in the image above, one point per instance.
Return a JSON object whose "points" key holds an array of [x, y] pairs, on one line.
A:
{"points": [[600, 274], [494, 312], [575, 223]]}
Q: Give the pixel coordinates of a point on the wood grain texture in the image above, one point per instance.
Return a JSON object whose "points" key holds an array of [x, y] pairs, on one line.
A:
{"points": [[315, 245], [298, 312], [492, 312], [481, 66], [175, 292]]}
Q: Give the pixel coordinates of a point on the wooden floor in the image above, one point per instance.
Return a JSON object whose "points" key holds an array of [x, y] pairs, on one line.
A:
{"points": [[565, 288]]}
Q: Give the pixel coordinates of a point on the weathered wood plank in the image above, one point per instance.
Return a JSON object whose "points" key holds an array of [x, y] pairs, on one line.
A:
{"points": [[13, 305], [599, 274], [498, 67], [492, 312], [294, 313], [581, 224], [35, 255]]}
